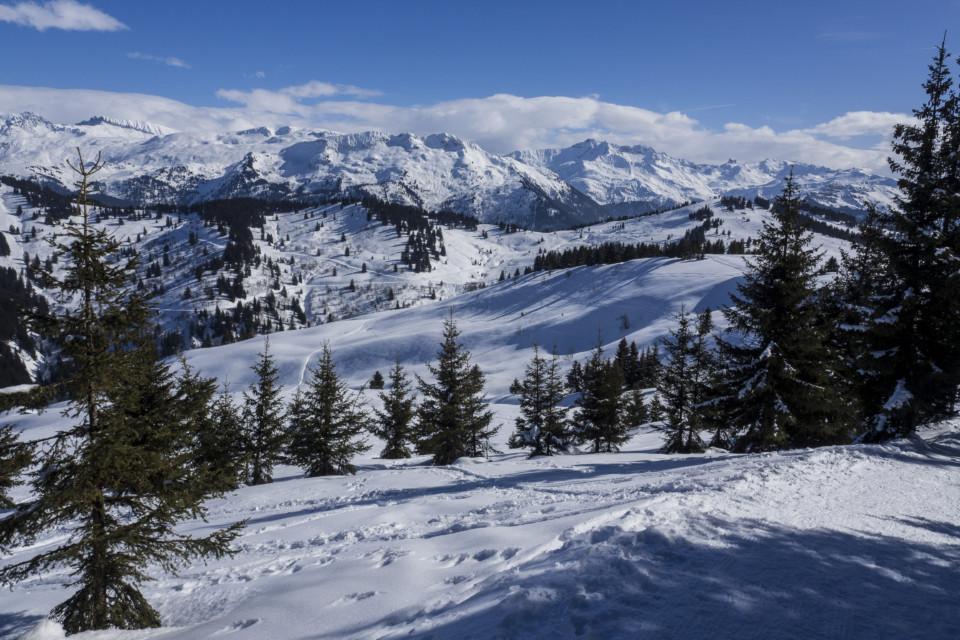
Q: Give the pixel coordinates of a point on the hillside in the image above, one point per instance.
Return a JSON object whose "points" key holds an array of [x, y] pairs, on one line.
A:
{"points": [[310, 265]]}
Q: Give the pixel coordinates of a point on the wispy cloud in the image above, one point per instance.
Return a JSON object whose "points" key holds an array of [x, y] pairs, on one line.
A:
{"points": [[256, 75], [68, 15], [169, 61], [499, 123]]}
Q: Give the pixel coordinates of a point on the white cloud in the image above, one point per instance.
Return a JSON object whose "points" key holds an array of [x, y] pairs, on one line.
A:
{"points": [[169, 61], [289, 99], [499, 123], [859, 123], [69, 15]]}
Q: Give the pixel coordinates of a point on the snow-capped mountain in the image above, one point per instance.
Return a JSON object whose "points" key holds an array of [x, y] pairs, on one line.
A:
{"points": [[638, 179], [545, 189], [145, 164]]}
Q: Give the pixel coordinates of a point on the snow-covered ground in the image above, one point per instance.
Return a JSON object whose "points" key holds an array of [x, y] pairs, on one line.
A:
{"points": [[844, 542]]}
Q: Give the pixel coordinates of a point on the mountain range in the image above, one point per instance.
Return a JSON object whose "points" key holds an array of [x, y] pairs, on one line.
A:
{"points": [[540, 189]]}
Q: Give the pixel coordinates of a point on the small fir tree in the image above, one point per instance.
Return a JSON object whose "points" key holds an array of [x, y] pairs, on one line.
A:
{"points": [[221, 445], [599, 420], [542, 424], [263, 420], [377, 382], [677, 389], [328, 422], [395, 422], [453, 420]]}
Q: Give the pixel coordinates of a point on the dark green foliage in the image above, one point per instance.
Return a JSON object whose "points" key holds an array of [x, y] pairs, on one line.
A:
{"points": [[120, 477], [376, 382], [221, 446], [326, 422], [907, 273], [263, 420], [15, 457], [600, 421], [542, 425], [395, 422], [453, 420], [777, 384], [678, 388], [575, 377], [17, 295]]}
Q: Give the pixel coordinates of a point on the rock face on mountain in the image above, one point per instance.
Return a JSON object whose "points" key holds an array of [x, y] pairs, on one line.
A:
{"points": [[546, 189]]}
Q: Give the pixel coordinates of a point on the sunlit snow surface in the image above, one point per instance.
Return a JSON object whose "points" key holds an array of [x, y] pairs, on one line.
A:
{"points": [[846, 542]]}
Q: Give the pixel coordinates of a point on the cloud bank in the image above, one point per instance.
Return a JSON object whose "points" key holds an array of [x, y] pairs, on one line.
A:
{"points": [[499, 123], [68, 15]]}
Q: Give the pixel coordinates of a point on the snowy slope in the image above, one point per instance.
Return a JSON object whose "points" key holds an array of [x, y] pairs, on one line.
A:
{"points": [[636, 179]]}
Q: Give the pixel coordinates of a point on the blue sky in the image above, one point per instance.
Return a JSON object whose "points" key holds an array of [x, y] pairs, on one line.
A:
{"points": [[705, 80]]}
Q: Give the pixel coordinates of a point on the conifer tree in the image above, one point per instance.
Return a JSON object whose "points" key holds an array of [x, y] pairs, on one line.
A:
{"points": [[328, 423], [453, 420], [263, 420], [395, 421], [600, 421], [776, 382], [221, 445], [678, 389], [910, 351], [119, 474], [542, 424]]}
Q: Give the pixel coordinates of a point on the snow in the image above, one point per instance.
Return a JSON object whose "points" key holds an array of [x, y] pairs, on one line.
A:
{"points": [[848, 542], [843, 542]]}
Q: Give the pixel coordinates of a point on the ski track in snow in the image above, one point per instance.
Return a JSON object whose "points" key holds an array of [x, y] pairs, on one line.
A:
{"points": [[842, 542]]}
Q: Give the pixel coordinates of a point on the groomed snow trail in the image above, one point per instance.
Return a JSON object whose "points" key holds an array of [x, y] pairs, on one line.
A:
{"points": [[845, 542]]}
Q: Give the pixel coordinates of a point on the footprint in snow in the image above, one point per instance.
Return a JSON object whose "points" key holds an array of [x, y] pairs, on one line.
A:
{"points": [[480, 556], [239, 625], [355, 597]]}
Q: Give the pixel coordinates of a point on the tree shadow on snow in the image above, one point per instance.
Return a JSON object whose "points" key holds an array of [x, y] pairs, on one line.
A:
{"points": [[751, 580], [13, 625]]}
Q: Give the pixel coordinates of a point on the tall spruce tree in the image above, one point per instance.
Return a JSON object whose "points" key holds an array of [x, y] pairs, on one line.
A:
{"points": [[599, 420], [777, 381], [452, 419], [263, 420], [119, 477], [910, 349], [542, 424], [329, 421], [678, 388], [395, 421]]}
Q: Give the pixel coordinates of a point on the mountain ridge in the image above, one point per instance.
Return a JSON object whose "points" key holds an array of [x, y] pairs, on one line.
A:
{"points": [[540, 189]]}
